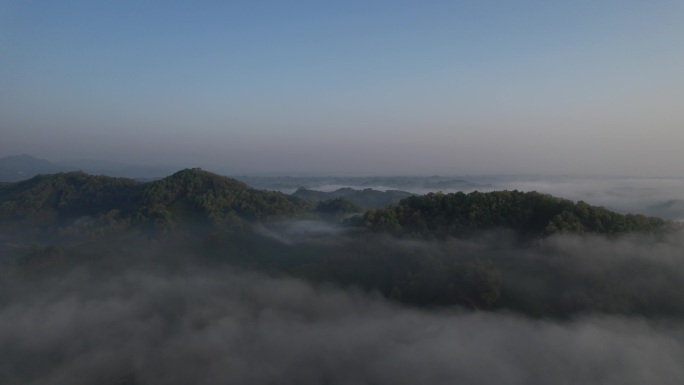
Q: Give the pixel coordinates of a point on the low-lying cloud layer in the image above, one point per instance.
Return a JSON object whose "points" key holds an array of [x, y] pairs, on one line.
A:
{"points": [[223, 326], [649, 196]]}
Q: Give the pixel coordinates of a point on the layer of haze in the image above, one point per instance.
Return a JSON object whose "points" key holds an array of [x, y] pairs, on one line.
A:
{"points": [[142, 325], [155, 316], [355, 87]]}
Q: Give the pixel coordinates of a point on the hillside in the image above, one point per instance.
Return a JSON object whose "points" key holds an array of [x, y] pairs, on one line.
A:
{"points": [[76, 203], [527, 213], [213, 199], [366, 198], [52, 223]]}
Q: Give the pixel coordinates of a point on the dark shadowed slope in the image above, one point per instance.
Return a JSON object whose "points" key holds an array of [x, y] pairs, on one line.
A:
{"points": [[366, 198]]}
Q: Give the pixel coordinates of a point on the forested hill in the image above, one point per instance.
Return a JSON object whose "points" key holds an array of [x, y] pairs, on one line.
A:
{"points": [[66, 220], [193, 196], [527, 213], [223, 201], [65, 195], [77, 203]]}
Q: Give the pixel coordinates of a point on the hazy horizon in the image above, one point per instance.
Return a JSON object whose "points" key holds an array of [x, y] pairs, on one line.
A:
{"points": [[355, 88]]}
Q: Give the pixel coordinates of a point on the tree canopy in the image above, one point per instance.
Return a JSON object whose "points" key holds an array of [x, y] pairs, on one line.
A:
{"points": [[527, 213]]}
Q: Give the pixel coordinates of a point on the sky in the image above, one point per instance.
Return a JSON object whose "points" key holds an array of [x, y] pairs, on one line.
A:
{"points": [[348, 87]]}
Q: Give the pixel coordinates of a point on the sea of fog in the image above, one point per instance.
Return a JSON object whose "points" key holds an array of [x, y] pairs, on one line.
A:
{"points": [[224, 326]]}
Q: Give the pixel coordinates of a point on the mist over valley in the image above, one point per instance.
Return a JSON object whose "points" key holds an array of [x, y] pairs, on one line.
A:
{"points": [[348, 192], [198, 277]]}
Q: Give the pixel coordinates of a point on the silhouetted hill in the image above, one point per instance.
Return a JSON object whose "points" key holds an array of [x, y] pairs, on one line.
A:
{"points": [[21, 167], [116, 169], [413, 184], [671, 209]]}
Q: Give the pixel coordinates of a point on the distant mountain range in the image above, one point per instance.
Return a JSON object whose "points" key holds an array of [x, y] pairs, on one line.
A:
{"points": [[79, 203], [21, 167], [366, 198], [378, 191], [76, 204], [411, 184]]}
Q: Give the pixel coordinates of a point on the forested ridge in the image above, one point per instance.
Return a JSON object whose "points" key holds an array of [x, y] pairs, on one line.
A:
{"points": [[192, 196], [219, 201], [527, 213], [366, 198], [198, 197], [457, 249]]}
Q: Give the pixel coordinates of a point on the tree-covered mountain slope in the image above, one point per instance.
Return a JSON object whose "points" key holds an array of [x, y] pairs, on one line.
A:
{"points": [[54, 204], [527, 213], [222, 201], [78, 203], [67, 195], [53, 223]]}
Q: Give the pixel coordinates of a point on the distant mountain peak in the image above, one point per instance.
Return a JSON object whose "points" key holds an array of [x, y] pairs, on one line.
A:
{"points": [[19, 167], [23, 157], [196, 172]]}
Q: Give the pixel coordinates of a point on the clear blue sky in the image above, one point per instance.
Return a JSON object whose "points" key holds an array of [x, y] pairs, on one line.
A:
{"points": [[357, 87]]}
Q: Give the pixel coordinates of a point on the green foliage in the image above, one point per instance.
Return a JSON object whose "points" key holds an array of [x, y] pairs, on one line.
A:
{"points": [[67, 194], [531, 214], [218, 201], [48, 220], [483, 282], [337, 208], [65, 205], [76, 204]]}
